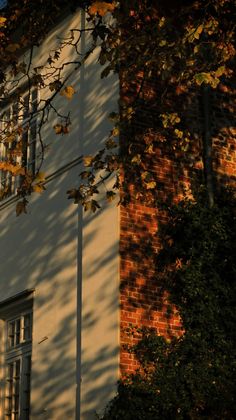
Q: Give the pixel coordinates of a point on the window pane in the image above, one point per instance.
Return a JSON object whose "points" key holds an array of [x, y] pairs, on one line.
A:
{"points": [[27, 327], [17, 331], [26, 387], [13, 390], [11, 334]]}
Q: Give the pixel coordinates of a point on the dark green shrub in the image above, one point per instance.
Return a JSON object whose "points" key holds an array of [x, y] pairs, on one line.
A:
{"points": [[191, 377]]}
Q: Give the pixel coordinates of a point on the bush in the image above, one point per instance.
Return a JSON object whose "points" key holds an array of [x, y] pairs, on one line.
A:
{"points": [[191, 377]]}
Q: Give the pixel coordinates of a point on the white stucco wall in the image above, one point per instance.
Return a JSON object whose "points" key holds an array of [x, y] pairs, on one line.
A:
{"points": [[70, 258]]}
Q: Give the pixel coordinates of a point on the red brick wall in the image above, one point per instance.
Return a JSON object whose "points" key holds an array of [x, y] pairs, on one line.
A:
{"points": [[141, 300]]}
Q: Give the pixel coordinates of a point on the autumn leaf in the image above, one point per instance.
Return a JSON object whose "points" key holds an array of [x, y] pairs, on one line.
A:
{"points": [[61, 129], [15, 169], [2, 21], [38, 188], [101, 8], [145, 175], [220, 71], [115, 132], [198, 32], [18, 170], [162, 22], [58, 128], [168, 120], [68, 92], [40, 177], [88, 160], [151, 185], [149, 149], [136, 159], [207, 78], [178, 133], [194, 33]]}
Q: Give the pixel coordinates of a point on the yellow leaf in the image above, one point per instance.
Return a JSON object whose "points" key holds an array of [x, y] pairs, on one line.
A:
{"points": [[149, 149], [68, 92], [38, 188], [14, 169], [207, 78], [115, 132], [150, 185], [178, 133], [162, 22], [136, 159], [88, 160], [40, 177], [220, 71], [202, 78], [2, 21], [144, 175]]}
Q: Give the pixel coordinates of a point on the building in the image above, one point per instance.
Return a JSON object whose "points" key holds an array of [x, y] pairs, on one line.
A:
{"points": [[71, 330], [72, 282]]}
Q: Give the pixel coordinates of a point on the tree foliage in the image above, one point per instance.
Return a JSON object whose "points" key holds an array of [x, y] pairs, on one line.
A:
{"points": [[177, 48]]}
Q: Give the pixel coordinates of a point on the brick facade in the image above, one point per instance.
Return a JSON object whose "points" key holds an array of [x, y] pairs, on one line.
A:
{"points": [[143, 303]]}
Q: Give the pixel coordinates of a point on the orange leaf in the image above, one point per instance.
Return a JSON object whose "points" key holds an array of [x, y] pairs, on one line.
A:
{"points": [[38, 188], [101, 8], [58, 128], [68, 92]]}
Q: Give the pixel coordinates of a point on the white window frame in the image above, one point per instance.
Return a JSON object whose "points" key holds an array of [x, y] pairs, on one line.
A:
{"points": [[15, 389], [20, 112]]}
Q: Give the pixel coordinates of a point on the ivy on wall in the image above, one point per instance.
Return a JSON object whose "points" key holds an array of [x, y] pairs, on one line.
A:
{"points": [[190, 377]]}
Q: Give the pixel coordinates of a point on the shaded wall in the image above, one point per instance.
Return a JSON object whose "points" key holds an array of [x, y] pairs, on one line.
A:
{"points": [[70, 259]]}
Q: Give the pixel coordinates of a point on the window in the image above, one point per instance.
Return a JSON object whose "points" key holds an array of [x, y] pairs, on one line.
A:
{"points": [[18, 135], [16, 349]]}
